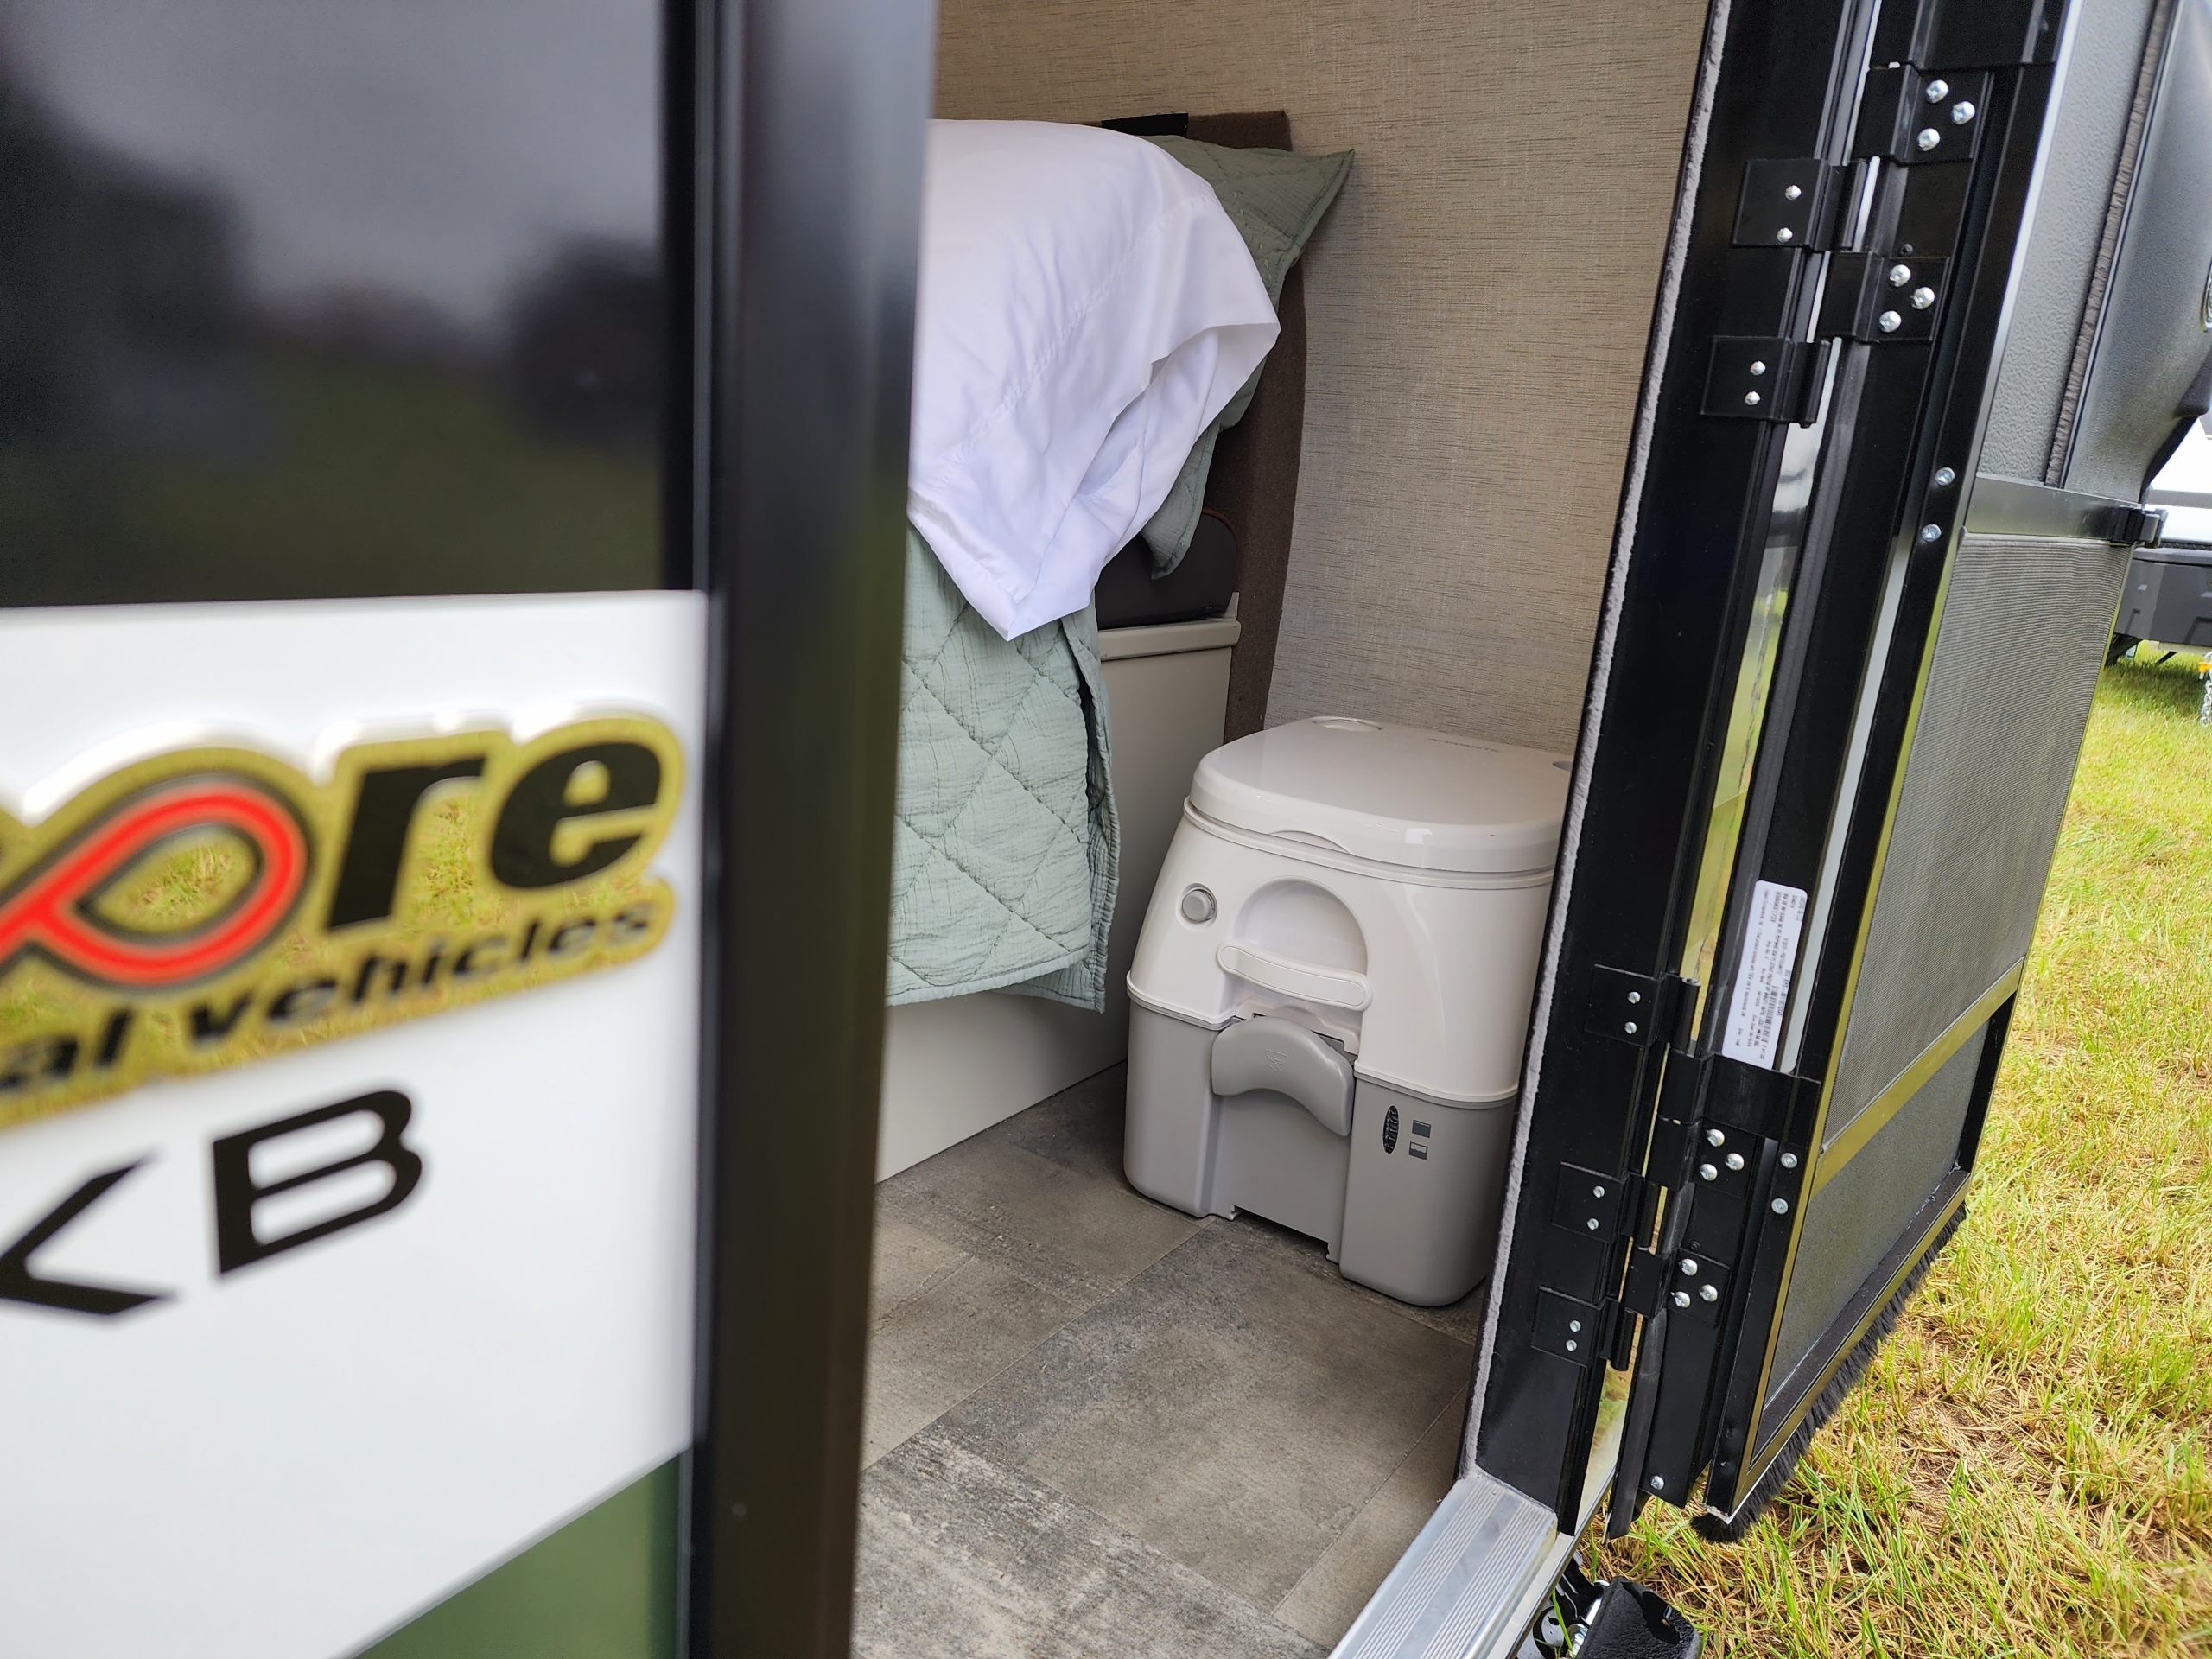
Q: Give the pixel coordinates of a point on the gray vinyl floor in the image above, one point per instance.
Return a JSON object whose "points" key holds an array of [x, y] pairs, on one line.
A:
{"points": [[1098, 1428]]}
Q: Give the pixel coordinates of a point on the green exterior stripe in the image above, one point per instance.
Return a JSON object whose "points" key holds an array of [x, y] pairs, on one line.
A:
{"points": [[604, 1587]]}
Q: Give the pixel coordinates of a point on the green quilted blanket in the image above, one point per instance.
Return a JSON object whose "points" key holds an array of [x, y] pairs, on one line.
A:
{"points": [[1007, 850]]}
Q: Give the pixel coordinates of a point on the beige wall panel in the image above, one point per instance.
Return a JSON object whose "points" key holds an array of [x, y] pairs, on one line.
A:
{"points": [[1477, 305]]}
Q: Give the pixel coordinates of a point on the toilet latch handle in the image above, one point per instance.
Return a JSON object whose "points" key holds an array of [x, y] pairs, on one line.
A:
{"points": [[1299, 979]]}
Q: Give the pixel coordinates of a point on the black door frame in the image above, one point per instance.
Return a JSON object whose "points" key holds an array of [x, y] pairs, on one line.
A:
{"points": [[810, 156]]}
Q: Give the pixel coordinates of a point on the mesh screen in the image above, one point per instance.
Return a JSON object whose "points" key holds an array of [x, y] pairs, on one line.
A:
{"points": [[2016, 659], [1851, 1222]]}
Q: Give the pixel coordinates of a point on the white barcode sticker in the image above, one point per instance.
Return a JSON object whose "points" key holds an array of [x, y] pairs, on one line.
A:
{"points": [[1763, 976]]}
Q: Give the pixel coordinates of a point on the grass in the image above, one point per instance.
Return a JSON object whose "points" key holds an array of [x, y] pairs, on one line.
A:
{"points": [[2027, 1468]]}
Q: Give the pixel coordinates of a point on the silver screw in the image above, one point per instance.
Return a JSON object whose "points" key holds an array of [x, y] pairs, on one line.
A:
{"points": [[1780, 1206], [1791, 192], [1687, 1266], [1751, 399], [1597, 1192], [1634, 997], [1592, 1224], [1630, 1026], [1680, 1298], [1574, 1325], [1900, 275], [1658, 1483], [1735, 1160], [1961, 113], [1785, 234], [1715, 1138], [1757, 369], [1922, 298], [1938, 90], [1927, 138], [1789, 1161], [1888, 323], [1572, 1344], [1945, 478], [1708, 1293], [1707, 1172], [1931, 533]]}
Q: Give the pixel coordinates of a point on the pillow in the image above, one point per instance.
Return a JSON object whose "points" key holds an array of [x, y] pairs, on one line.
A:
{"points": [[1086, 308], [1275, 199]]}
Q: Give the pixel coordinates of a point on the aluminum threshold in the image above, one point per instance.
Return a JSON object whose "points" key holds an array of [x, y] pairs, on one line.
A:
{"points": [[1472, 1583]]}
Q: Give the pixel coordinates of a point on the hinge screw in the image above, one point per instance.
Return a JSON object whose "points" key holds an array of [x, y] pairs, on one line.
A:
{"points": [[1687, 1266], [1961, 113], [1780, 1206], [1715, 1138], [1735, 1160], [1791, 192], [1658, 1483], [1572, 1344], [1928, 138], [1591, 1223], [1922, 298], [1708, 1293], [1900, 275], [1630, 1026], [1707, 1172], [1597, 1192], [1574, 1325], [1888, 323], [1945, 478], [1789, 1161], [1752, 399], [1634, 997], [1931, 533], [1785, 234], [1757, 369], [1680, 1298], [1938, 90]]}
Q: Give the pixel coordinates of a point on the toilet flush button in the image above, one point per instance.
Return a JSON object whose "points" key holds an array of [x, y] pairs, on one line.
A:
{"points": [[1198, 905]]}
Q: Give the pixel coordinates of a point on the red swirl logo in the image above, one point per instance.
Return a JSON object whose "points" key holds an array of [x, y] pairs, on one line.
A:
{"points": [[51, 910]]}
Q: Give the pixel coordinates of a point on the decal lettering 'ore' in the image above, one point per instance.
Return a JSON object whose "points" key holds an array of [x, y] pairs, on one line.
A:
{"points": [[205, 907]]}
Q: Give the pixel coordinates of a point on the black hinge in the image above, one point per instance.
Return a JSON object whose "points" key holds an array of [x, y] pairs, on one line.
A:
{"points": [[1766, 379], [1639, 1009], [1799, 203], [1882, 296], [1913, 116], [1571, 1329], [2137, 526]]}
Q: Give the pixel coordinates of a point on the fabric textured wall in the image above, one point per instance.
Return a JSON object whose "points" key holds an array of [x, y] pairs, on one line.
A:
{"points": [[1478, 304]]}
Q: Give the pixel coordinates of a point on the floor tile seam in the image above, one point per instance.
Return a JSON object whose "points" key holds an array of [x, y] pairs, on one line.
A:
{"points": [[1365, 1504], [1009, 1259], [1036, 1478], [973, 1444], [879, 1317]]}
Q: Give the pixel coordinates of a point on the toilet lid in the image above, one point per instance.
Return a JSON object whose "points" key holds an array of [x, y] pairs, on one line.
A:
{"points": [[1394, 794]]}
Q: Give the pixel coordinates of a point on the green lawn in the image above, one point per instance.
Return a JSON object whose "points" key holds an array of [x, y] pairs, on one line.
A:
{"points": [[2025, 1471]]}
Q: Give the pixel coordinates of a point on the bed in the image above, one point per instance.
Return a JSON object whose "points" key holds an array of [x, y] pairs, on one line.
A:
{"points": [[1041, 774]]}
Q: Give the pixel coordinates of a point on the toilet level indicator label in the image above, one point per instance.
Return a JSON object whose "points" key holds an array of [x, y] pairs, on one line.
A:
{"points": [[1765, 974]]}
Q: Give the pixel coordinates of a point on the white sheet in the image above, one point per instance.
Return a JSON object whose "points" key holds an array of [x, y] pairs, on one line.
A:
{"points": [[1086, 309]]}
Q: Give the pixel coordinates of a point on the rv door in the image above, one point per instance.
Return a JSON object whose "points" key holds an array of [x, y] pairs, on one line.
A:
{"points": [[1935, 312]]}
